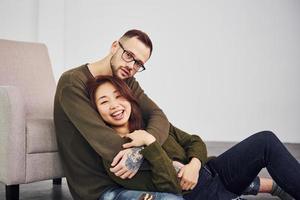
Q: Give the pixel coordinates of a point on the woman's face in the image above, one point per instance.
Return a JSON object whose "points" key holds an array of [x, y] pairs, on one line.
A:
{"points": [[113, 108]]}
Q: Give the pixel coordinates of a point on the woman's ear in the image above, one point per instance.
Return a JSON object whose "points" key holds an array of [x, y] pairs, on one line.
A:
{"points": [[114, 47]]}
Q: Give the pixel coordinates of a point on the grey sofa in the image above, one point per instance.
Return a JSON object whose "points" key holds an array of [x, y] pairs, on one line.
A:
{"points": [[28, 149]]}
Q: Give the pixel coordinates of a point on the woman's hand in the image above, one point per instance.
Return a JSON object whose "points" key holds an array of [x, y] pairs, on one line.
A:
{"points": [[189, 174], [139, 138], [177, 165]]}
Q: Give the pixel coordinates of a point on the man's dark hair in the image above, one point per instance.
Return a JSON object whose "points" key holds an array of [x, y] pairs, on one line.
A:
{"points": [[141, 36]]}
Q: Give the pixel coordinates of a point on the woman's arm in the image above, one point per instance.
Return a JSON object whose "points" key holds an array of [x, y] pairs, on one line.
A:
{"points": [[189, 154], [161, 176], [193, 145]]}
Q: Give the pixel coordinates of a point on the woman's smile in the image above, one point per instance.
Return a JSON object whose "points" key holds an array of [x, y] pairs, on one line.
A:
{"points": [[112, 106], [118, 115]]}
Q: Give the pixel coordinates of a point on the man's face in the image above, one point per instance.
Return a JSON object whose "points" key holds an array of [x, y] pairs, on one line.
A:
{"points": [[124, 69]]}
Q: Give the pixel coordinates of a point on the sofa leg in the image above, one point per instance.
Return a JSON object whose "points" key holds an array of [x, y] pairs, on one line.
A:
{"points": [[12, 192], [57, 181]]}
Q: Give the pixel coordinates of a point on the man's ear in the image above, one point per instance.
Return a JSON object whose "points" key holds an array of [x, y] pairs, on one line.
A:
{"points": [[114, 47]]}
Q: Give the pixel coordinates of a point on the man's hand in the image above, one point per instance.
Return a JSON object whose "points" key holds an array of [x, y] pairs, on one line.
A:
{"points": [[127, 162], [189, 174]]}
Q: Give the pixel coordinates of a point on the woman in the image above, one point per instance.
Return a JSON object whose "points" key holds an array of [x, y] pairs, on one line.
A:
{"points": [[223, 177]]}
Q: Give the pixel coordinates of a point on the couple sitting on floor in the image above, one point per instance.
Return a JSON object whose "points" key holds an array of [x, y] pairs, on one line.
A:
{"points": [[115, 143]]}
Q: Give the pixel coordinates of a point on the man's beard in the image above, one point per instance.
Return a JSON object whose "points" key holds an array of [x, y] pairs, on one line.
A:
{"points": [[113, 67], [116, 70]]}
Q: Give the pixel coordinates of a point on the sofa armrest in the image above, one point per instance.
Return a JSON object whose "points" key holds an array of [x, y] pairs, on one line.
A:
{"points": [[12, 136]]}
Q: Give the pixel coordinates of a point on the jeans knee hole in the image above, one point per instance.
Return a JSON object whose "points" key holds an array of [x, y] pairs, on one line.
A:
{"points": [[146, 196]]}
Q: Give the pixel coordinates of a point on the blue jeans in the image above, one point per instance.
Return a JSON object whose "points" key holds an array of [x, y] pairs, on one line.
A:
{"points": [[229, 174], [119, 193], [209, 187], [236, 168]]}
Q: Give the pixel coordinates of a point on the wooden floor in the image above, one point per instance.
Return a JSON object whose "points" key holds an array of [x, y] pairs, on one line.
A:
{"points": [[44, 190]]}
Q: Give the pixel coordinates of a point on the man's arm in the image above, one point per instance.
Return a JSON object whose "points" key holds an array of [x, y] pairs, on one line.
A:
{"points": [[75, 103], [157, 123], [162, 176]]}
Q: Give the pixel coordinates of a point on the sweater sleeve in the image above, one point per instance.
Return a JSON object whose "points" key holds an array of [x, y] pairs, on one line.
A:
{"points": [[161, 177], [164, 175], [192, 144], [75, 103], [157, 123]]}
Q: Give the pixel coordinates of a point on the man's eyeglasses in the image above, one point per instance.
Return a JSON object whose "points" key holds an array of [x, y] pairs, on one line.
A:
{"points": [[128, 57]]}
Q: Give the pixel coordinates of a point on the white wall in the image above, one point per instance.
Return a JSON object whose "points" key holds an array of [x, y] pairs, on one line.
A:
{"points": [[222, 69], [18, 19], [51, 31], [36, 21]]}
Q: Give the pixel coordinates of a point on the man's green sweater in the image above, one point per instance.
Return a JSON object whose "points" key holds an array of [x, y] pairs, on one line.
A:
{"points": [[84, 139], [87, 146]]}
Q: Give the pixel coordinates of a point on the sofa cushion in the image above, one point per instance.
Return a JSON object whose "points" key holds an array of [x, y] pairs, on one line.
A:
{"points": [[27, 66], [41, 136], [49, 162]]}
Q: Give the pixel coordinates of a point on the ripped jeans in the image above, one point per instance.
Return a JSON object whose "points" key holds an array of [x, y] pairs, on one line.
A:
{"points": [[119, 193], [232, 172], [235, 169]]}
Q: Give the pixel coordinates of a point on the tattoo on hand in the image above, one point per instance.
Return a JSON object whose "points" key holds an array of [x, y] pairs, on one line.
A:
{"points": [[135, 159]]}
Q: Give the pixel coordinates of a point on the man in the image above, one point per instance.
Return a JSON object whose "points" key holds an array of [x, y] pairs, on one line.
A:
{"points": [[84, 140]]}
